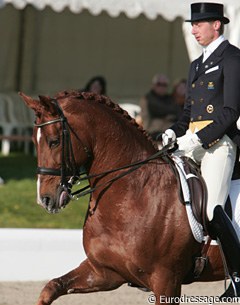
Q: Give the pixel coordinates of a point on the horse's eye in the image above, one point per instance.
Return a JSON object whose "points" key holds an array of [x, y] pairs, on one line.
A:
{"points": [[53, 143]]}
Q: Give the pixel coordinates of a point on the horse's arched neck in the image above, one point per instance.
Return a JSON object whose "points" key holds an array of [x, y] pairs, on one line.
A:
{"points": [[116, 141]]}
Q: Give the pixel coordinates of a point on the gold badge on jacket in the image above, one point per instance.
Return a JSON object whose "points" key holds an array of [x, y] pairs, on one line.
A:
{"points": [[210, 108], [211, 85]]}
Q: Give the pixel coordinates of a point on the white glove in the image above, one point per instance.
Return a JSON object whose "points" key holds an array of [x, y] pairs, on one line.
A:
{"points": [[168, 136], [238, 123], [189, 142]]}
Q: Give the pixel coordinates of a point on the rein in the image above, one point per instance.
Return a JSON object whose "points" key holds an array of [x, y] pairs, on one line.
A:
{"points": [[131, 167], [69, 167]]}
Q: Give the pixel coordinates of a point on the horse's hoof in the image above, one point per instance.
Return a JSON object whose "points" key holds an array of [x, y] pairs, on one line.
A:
{"points": [[138, 287]]}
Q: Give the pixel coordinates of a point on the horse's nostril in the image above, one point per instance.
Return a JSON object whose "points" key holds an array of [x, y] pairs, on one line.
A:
{"points": [[46, 201]]}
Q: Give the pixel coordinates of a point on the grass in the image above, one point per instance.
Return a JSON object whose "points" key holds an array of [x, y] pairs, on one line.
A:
{"points": [[18, 207]]}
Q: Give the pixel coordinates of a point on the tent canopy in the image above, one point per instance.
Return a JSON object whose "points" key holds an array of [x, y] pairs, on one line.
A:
{"points": [[132, 8], [152, 9], [44, 51], [49, 46]]}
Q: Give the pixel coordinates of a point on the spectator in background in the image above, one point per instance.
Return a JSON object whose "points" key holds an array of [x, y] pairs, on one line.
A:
{"points": [[158, 110], [179, 95], [97, 85]]}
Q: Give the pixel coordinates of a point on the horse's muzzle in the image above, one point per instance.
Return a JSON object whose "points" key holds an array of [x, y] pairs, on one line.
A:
{"points": [[54, 204]]}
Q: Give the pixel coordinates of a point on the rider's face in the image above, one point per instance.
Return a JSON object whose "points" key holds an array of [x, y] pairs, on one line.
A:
{"points": [[205, 31]]}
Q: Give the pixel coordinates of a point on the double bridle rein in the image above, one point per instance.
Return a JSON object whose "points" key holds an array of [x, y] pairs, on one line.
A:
{"points": [[70, 169]]}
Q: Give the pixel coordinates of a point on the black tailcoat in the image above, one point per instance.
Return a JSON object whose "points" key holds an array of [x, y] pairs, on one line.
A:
{"points": [[213, 94]]}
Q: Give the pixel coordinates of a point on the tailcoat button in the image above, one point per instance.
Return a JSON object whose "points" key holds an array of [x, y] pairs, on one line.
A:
{"points": [[210, 108]]}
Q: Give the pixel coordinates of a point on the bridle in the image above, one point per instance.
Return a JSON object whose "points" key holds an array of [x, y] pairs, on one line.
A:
{"points": [[68, 167]]}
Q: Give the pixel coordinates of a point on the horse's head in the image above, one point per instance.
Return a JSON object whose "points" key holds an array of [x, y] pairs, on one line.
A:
{"points": [[60, 153]]}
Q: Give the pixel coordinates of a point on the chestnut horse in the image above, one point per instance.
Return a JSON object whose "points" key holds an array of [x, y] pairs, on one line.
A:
{"points": [[136, 230]]}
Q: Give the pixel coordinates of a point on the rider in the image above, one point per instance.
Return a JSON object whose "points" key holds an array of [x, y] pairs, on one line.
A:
{"points": [[207, 129]]}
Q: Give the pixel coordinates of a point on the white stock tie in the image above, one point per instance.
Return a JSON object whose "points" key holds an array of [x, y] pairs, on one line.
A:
{"points": [[206, 54]]}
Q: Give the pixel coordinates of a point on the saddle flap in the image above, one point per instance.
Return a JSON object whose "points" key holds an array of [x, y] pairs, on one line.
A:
{"points": [[197, 189]]}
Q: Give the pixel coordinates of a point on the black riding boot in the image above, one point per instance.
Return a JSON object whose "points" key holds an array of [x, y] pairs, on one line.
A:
{"points": [[222, 228]]}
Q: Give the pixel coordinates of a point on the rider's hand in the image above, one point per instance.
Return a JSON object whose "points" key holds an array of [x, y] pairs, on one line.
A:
{"points": [[189, 142], [168, 136]]}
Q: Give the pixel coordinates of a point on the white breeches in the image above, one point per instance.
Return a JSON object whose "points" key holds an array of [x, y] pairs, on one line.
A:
{"points": [[217, 165]]}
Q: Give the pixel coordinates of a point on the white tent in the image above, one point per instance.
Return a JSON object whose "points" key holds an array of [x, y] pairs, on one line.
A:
{"points": [[151, 32], [27, 64], [132, 8]]}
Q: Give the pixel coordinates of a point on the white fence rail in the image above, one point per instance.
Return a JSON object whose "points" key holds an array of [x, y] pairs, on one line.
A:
{"points": [[39, 254]]}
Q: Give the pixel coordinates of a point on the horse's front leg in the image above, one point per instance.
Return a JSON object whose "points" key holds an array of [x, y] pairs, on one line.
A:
{"points": [[85, 278], [166, 287]]}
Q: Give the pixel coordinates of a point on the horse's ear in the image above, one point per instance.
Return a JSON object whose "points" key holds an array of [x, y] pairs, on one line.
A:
{"points": [[47, 104], [30, 102], [44, 104]]}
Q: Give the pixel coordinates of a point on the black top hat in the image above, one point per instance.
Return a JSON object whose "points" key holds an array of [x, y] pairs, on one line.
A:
{"points": [[207, 11]]}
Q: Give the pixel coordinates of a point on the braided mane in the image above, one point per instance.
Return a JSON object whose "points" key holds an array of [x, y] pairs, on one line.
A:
{"points": [[106, 101]]}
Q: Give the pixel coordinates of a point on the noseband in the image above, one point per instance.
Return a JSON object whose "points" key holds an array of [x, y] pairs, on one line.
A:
{"points": [[68, 167]]}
